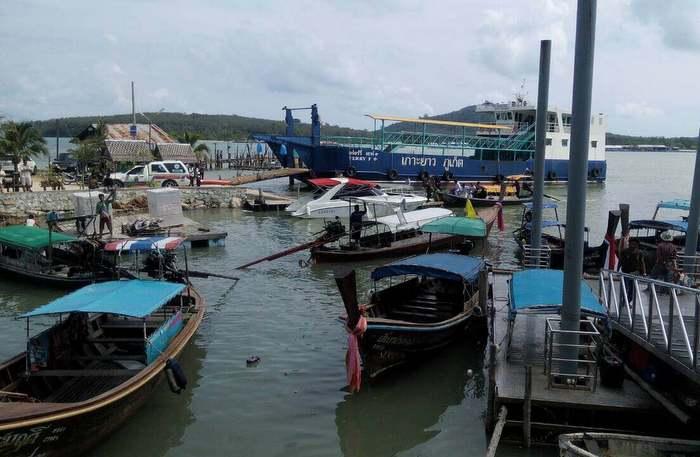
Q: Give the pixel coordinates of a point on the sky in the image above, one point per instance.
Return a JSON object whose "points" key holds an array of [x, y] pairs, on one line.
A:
{"points": [[397, 57]]}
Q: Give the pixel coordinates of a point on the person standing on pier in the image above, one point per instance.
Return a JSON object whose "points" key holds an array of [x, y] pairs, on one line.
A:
{"points": [[2, 180], [631, 262], [104, 210], [665, 266], [25, 176]]}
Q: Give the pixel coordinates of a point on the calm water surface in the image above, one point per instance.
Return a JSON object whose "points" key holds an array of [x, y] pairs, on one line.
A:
{"points": [[293, 402]]}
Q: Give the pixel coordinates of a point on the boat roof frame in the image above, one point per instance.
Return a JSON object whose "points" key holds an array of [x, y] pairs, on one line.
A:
{"points": [[379, 117]]}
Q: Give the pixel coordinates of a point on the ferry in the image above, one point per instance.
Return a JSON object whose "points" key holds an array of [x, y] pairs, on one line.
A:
{"points": [[501, 144]]}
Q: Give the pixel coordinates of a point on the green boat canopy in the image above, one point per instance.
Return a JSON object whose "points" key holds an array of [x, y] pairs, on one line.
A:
{"points": [[26, 237], [456, 225]]}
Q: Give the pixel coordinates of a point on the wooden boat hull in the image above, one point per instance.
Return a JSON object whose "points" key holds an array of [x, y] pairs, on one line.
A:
{"points": [[416, 245], [387, 345], [455, 201], [51, 280], [622, 445], [70, 429], [593, 256]]}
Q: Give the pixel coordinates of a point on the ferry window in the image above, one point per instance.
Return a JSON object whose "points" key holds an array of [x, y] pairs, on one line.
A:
{"points": [[594, 144], [548, 141], [564, 142]]}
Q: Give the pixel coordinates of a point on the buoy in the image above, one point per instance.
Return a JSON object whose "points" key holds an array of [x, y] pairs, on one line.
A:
{"points": [[176, 377], [252, 360]]}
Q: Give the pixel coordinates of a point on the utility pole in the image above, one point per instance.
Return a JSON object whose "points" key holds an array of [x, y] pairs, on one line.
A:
{"points": [[57, 138], [133, 105], [691, 235], [540, 144], [576, 192]]}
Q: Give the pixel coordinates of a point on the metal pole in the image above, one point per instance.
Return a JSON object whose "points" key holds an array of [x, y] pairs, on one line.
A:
{"points": [[578, 167], [133, 105], [540, 136], [56, 139], [691, 236]]}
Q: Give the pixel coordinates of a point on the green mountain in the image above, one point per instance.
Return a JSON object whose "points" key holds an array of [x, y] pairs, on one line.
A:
{"points": [[233, 127], [209, 126]]}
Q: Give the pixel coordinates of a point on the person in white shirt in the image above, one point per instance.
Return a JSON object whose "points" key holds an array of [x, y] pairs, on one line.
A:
{"points": [[31, 222], [25, 175], [2, 180]]}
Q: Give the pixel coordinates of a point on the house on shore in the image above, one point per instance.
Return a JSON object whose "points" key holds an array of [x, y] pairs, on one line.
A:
{"points": [[149, 143]]}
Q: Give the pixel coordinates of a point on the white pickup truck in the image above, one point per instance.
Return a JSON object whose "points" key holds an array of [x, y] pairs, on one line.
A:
{"points": [[166, 173]]}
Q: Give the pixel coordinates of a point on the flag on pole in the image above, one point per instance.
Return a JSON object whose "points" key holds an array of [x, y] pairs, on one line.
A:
{"points": [[469, 210]]}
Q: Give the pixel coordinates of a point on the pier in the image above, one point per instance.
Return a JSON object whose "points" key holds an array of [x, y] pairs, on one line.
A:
{"points": [[522, 368]]}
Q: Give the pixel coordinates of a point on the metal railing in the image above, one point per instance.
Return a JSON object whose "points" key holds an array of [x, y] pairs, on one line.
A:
{"points": [[690, 265], [637, 304], [585, 374], [536, 258]]}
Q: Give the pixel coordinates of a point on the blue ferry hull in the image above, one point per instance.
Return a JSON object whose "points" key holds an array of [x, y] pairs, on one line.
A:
{"points": [[325, 160]]}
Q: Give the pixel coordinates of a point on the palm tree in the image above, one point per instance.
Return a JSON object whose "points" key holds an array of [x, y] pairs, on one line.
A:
{"points": [[200, 151], [20, 141]]}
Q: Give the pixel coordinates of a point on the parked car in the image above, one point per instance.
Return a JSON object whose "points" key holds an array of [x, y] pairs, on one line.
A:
{"points": [[166, 173]]}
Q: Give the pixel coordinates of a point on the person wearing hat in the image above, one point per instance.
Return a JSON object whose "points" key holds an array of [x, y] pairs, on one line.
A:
{"points": [[665, 265]]}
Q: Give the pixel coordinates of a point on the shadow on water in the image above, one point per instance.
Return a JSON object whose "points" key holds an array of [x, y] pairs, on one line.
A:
{"points": [[403, 410], [165, 415]]}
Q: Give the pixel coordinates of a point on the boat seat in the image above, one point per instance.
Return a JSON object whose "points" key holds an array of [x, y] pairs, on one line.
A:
{"points": [[114, 340], [112, 372]]}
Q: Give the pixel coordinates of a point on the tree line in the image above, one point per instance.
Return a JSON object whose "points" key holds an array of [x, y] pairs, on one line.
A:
{"points": [[223, 127]]}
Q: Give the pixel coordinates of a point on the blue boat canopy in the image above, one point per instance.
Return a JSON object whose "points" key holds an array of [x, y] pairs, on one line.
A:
{"points": [[134, 298], [545, 205], [655, 224], [453, 267], [542, 289], [678, 203]]}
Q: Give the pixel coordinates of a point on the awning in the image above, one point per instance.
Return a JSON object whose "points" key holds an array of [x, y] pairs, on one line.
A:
{"points": [[541, 290], [675, 204], [134, 298], [454, 267], [26, 237], [455, 225], [145, 244], [654, 224], [331, 182]]}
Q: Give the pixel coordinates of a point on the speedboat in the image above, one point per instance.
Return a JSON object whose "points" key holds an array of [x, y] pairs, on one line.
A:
{"points": [[330, 199]]}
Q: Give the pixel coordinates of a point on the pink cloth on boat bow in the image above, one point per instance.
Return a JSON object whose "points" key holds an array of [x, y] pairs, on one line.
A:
{"points": [[499, 218], [352, 357]]}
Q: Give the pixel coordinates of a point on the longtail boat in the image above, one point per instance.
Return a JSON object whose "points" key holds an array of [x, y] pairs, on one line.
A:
{"points": [[398, 244], [554, 239], [594, 444], [52, 258], [81, 378], [440, 295]]}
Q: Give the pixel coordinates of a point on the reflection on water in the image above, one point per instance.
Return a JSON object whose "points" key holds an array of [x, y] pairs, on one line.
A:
{"points": [[166, 414], [403, 410], [292, 403]]}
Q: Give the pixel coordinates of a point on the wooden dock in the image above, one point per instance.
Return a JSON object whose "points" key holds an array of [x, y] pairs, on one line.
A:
{"points": [[537, 413]]}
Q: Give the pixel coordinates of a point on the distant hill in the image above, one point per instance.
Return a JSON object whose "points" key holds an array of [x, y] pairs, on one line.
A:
{"points": [[233, 127], [209, 126]]}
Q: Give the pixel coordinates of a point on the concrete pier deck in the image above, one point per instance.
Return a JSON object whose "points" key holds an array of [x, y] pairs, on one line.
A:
{"points": [[555, 410]]}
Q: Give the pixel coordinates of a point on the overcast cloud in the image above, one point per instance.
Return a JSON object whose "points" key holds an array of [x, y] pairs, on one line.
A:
{"points": [[404, 57]]}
